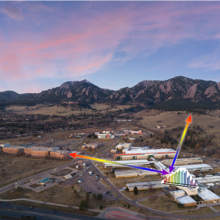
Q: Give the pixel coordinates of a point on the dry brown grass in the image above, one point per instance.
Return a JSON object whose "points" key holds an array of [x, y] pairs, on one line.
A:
{"points": [[201, 211], [62, 172], [62, 111], [172, 120], [163, 203], [17, 168], [61, 195]]}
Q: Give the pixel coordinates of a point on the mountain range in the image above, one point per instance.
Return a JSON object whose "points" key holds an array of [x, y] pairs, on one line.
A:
{"points": [[148, 92]]}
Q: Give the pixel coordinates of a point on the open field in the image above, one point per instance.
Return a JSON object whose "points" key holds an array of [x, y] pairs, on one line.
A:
{"points": [[63, 111], [14, 168], [62, 172], [163, 203], [173, 119]]}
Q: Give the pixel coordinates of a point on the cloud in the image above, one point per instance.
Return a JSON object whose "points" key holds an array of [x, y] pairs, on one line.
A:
{"points": [[209, 62], [70, 40], [12, 12]]}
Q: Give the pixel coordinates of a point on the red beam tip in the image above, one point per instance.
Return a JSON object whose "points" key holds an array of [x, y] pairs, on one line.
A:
{"points": [[189, 119], [74, 155]]}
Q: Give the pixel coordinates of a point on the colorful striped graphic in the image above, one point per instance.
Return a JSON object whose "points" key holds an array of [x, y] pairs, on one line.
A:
{"points": [[180, 177]]}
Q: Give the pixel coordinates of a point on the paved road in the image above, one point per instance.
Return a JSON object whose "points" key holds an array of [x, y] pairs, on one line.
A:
{"points": [[41, 214]]}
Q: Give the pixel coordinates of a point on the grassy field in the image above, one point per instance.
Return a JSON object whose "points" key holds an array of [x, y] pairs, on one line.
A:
{"points": [[62, 172], [63, 111], [201, 211], [163, 203], [172, 120], [17, 168]]}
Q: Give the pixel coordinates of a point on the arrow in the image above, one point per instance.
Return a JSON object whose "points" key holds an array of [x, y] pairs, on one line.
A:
{"points": [[188, 120], [75, 155]]}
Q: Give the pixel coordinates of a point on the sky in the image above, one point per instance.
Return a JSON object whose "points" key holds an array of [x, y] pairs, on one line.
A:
{"points": [[111, 44]]}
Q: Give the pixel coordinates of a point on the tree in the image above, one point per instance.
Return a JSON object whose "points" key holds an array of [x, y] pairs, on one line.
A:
{"points": [[72, 187], [94, 195], [129, 206], [135, 190], [99, 196], [101, 207], [124, 205], [82, 206]]}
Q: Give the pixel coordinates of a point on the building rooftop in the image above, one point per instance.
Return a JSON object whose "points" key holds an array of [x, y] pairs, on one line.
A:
{"points": [[148, 151], [129, 162], [182, 198], [206, 194], [194, 166]]}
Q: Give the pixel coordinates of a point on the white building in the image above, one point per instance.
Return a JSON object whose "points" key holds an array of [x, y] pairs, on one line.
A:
{"points": [[196, 167], [129, 162], [121, 146], [157, 153], [133, 173]]}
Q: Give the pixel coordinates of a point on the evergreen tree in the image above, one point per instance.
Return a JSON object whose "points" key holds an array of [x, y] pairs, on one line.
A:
{"points": [[135, 190]]}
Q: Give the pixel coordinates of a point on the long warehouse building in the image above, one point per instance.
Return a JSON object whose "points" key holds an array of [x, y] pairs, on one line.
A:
{"points": [[196, 167], [133, 173], [183, 161], [142, 153]]}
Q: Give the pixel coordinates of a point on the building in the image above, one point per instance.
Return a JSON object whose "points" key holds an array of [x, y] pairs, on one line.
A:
{"points": [[157, 153], [196, 167], [145, 185], [160, 166], [132, 157], [133, 173], [180, 197], [183, 161], [59, 154], [114, 151], [37, 151], [13, 150], [92, 146], [208, 196], [68, 177], [130, 162], [121, 146], [105, 136], [119, 135]]}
